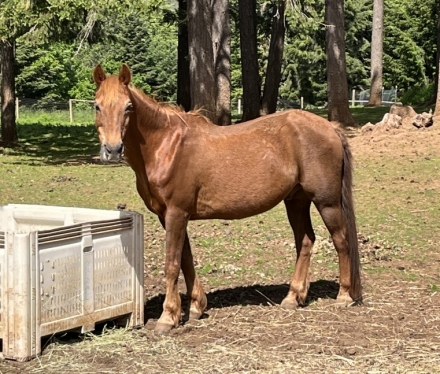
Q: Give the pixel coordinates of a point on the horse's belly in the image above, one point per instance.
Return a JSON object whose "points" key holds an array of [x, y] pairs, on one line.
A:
{"points": [[235, 199]]}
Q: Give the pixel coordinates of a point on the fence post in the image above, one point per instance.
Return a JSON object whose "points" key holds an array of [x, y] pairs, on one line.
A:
{"points": [[17, 103], [302, 102], [71, 110], [239, 106], [353, 97]]}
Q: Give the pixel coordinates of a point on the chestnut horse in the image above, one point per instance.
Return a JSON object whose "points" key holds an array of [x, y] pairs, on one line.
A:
{"points": [[187, 168]]}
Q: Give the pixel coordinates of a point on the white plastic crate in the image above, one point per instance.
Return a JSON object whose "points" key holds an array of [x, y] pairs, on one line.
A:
{"points": [[64, 269]]}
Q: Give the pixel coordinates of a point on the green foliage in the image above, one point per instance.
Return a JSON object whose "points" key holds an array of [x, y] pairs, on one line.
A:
{"points": [[45, 72], [144, 35], [58, 71], [304, 64], [422, 29], [160, 65], [84, 87], [149, 46], [358, 18], [407, 33], [418, 94], [305, 60]]}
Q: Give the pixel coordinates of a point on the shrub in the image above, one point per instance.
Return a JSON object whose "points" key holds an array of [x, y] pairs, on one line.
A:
{"points": [[418, 95]]}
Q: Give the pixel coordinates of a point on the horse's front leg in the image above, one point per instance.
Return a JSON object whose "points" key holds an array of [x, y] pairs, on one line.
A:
{"points": [[194, 288], [176, 222]]}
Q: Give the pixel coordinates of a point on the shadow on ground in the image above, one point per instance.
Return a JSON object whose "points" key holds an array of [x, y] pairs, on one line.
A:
{"points": [[55, 144], [247, 295]]}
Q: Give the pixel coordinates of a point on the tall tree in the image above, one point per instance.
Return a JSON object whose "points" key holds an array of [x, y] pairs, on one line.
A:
{"points": [[437, 101], [209, 58], [221, 39], [273, 71], [376, 55], [7, 57], [249, 59], [183, 81], [337, 87]]}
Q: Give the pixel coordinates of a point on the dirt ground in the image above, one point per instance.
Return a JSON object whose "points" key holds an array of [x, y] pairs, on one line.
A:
{"points": [[244, 330]]}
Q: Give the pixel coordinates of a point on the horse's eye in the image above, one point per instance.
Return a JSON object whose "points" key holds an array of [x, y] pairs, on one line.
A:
{"points": [[97, 108], [129, 108]]}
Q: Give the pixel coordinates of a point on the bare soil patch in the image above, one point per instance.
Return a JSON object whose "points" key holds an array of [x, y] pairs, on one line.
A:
{"points": [[245, 267]]}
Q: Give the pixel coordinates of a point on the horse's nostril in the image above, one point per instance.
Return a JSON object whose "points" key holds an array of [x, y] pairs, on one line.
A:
{"points": [[121, 148], [113, 150]]}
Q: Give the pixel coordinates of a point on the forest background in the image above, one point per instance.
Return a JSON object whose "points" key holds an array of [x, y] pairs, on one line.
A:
{"points": [[147, 41]]}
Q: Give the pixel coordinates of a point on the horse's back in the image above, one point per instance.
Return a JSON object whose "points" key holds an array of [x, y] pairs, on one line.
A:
{"points": [[248, 168]]}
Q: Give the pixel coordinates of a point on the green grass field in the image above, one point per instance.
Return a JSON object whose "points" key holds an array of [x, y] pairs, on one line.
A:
{"points": [[57, 164], [396, 196]]}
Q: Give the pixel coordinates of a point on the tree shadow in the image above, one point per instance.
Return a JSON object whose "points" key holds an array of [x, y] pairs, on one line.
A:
{"points": [[247, 295], [55, 144]]}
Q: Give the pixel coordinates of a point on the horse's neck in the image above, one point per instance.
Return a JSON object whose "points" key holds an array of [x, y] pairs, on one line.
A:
{"points": [[147, 131], [149, 115]]}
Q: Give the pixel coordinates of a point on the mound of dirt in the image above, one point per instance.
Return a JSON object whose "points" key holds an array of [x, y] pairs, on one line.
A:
{"points": [[400, 117], [381, 139]]}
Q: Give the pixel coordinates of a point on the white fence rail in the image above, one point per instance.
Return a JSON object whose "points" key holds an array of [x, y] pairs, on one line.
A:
{"points": [[72, 106], [51, 106], [389, 97]]}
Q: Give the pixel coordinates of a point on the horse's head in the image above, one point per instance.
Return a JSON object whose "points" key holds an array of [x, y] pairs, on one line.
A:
{"points": [[113, 107]]}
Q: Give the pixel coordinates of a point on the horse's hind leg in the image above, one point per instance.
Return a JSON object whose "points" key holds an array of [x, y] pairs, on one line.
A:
{"points": [[333, 219], [194, 288], [298, 212]]}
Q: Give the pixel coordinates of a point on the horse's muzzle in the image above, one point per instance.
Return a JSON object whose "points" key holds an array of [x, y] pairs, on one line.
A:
{"points": [[111, 152]]}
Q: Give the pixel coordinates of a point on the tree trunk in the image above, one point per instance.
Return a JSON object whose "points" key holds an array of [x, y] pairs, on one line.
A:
{"points": [[183, 83], [221, 37], [249, 59], [437, 100], [376, 55], [201, 57], [7, 57], [337, 87], [273, 72]]}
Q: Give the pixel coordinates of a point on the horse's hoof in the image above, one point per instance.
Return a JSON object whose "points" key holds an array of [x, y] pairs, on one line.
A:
{"points": [[289, 304], [344, 300], [162, 328], [195, 314]]}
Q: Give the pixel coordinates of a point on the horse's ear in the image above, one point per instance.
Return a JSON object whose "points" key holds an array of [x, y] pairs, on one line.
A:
{"points": [[125, 75], [99, 75]]}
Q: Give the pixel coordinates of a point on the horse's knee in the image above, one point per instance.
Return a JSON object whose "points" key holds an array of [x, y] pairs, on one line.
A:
{"points": [[172, 271], [340, 242]]}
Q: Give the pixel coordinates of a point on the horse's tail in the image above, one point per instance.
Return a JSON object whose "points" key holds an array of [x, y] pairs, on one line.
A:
{"points": [[350, 220]]}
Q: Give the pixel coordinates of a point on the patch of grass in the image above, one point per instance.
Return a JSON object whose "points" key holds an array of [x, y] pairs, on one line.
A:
{"points": [[434, 288], [55, 117], [397, 198], [361, 114], [58, 165]]}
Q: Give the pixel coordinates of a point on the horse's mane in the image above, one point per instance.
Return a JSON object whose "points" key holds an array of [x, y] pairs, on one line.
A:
{"points": [[167, 108]]}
